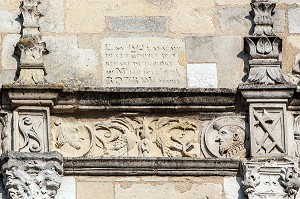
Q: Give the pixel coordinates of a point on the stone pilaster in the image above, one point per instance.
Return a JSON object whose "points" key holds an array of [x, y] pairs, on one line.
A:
{"points": [[32, 175], [272, 171], [31, 47]]}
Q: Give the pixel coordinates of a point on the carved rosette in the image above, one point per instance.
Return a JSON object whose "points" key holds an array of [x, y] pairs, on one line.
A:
{"points": [[273, 179], [263, 47], [30, 47], [32, 175]]}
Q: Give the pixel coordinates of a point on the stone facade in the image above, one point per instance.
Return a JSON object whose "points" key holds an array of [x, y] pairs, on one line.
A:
{"points": [[150, 99]]}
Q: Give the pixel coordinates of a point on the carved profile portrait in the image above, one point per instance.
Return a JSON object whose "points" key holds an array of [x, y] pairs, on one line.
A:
{"points": [[225, 137]]}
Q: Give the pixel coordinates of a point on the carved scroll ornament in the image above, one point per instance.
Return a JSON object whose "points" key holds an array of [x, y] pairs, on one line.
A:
{"points": [[118, 137]]}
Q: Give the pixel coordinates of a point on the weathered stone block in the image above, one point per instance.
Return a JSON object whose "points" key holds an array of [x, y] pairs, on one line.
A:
{"points": [[143, 62], [219, 50], [199, 49], [192, 17], [95, 190], [78, 21], [232, 188], [9, 21], [7, 77], [168, 191], [53, 16], [9, 60], [234, 19], [69, 64], [202, 76], [294, 20], [67, 189], [9, 5], [137, 24]]}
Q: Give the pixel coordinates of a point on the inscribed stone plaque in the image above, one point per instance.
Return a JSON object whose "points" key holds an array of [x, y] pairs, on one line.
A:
{"points": [[143, 62]]}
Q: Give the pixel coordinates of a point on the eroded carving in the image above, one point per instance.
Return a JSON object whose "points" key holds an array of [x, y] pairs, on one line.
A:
{"points": [[267, 178], [5, 136], [267, 125], [251, 181], [263, 21], [290, 181], [115, 137], [32, 175], [225, 137]]}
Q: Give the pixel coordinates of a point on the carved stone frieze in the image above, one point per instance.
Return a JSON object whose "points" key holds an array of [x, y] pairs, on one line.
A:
{"points": [[126, 137], [31, 129], [225, 137], [31, 47], [268, 130], [32, 175], [271, 178]]}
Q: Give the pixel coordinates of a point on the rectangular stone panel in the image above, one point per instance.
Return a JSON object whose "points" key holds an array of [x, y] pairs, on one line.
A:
{"points": [[31, 129], [143, 62]]}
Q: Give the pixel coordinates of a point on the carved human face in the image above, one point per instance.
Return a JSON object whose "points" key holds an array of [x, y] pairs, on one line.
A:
{"points": [[225, 138]]}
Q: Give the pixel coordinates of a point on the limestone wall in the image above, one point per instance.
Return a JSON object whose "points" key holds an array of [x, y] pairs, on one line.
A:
{"points": [[183, 40]]}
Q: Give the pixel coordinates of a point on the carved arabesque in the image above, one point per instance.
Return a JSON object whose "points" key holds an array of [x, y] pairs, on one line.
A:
{"points": [[123, 137]]}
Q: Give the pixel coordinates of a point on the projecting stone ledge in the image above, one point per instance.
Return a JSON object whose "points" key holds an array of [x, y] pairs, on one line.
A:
{"points": [[152, 166]]}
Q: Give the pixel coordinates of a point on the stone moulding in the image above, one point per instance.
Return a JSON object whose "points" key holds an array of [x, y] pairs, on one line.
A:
{"points": [[32, 175], [151, 166], [62, 100]]}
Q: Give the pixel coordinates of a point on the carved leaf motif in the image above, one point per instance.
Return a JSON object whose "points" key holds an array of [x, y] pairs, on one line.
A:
{"points": [[264, 46], [174, 137], [116, 138], [28, 130]]}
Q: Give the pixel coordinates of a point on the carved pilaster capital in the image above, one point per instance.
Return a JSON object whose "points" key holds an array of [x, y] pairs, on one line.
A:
{"points": [[32, 175], [271, 178]]}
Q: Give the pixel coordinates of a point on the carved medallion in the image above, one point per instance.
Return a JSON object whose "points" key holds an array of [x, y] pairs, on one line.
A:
{"points": [[225, 137]]}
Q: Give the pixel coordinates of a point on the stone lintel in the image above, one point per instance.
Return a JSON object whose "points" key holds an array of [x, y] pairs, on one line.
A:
{"points": [[151, 166]]}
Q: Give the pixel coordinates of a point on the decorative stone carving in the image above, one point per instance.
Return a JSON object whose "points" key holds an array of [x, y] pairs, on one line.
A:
{"points": [[268, 130], [174, 136], [31, 129], [263, 21], [225, 137], [5, 136], [297, 136], [264, 47], [126, 137], [267, 178], [32, 175], [30, 47]]}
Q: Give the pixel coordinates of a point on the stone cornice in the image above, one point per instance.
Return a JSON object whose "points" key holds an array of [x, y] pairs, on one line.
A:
{"points": [[151, 166]]}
